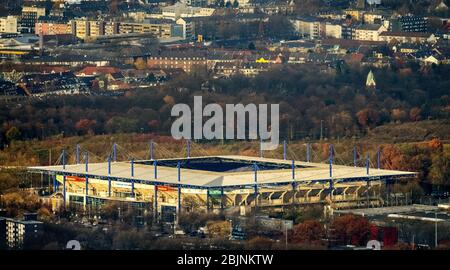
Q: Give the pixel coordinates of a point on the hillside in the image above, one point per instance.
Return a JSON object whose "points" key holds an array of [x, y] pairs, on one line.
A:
{"points": [[411, 132]]}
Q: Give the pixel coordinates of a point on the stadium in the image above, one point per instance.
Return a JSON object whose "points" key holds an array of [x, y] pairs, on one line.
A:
{"points": [[216, 183]]}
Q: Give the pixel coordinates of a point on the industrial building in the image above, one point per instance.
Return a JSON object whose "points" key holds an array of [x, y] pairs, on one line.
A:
{"points": [[217, 182]]}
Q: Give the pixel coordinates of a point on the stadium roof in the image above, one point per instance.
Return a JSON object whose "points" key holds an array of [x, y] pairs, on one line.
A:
{"points": [[211, 172]]}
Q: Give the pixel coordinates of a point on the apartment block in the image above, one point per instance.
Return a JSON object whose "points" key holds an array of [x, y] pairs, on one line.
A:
{"points": [[409, 23], [8, 24], [178, 60], [30, 15], [368, 32], [20, 234], [52, 27]]}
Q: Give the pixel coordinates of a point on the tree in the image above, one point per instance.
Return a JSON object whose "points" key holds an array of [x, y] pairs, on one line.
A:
{"points": [[169, 100], [309, 231], [12, 134], [259, 243], [85, 125], [140, 63], [306, 7], [279, 27], [414, 114], [220, 229], [351, 229], [398, 115], [440, 169], [367, 118], [392, 158], [113, 7]]}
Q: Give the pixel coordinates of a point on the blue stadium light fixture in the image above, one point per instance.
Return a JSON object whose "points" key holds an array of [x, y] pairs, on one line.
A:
{"points": [[64, 189], [114, 152], [379, 158], [87, 185], [109, 165], [64, 159], [132, 167], [155, 211], [179, 171], [151, 150], [255, 169], [55, 185], [367, 164], [293, 169], [331, 160], [155, 165], [86, 161]]}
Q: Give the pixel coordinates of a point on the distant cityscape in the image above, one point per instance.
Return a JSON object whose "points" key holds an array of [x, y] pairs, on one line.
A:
{"points": [[87, 90], [158, 40]]}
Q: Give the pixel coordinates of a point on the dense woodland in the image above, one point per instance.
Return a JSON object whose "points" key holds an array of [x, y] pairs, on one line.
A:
{"points": [[306, 96]]}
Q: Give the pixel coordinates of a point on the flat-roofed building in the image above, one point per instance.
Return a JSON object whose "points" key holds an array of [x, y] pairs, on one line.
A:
{"points": [[333, 30], [111, 28], [409, 23], [180, 10], [368, 32], [159, 28], [178, 60], [8, 24], [188, 27], [80, 28], [407, 37], [21, 234], [30, 15], [52, 26], [96, 28], [309, 27]]}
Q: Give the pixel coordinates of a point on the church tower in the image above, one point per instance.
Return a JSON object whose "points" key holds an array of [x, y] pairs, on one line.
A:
{"points": [[370, 81]]}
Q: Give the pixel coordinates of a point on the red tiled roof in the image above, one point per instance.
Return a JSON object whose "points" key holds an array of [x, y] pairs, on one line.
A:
{"points": [[91, 71], [356, 57]]}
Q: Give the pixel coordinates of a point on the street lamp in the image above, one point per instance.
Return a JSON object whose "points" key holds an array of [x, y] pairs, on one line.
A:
{"points": [[286, 233], [435, 229], [231, 228]]}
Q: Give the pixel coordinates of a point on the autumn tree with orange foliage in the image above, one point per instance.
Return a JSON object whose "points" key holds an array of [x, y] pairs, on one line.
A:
{"points": [[351, 229], [310, 231], [84, 126], [368, 118], [392, 158]]}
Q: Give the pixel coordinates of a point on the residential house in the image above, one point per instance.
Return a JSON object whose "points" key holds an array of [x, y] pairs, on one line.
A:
{"points": [[407, 37], [40, 84]]}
